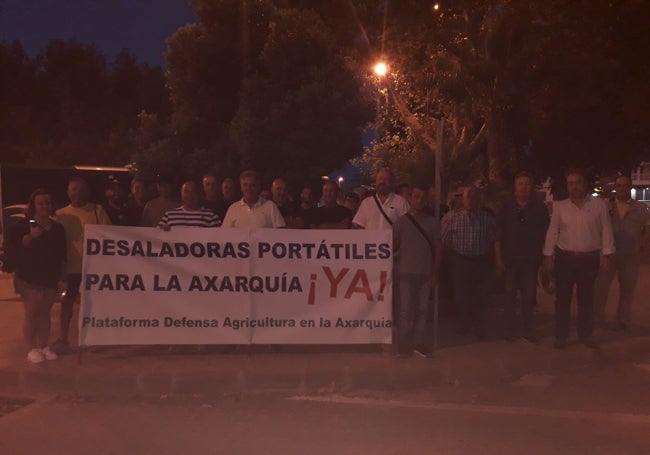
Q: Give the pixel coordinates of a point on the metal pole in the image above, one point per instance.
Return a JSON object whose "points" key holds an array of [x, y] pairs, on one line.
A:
{"points": [[438, 163]]}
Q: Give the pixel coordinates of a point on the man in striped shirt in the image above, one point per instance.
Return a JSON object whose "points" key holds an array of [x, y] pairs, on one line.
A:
{"points": [[190, 213]]}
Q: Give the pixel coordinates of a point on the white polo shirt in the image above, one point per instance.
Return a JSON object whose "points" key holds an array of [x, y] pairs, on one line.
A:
{"points": [[370, 217], [263, 214]]}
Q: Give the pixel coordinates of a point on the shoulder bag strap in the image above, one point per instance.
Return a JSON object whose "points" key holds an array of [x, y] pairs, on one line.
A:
{"points": [[424, 234], [381, 209]]}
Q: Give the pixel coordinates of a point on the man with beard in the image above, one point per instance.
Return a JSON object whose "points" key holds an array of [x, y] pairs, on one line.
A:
{"points": [[381, 211], [384, 208]]}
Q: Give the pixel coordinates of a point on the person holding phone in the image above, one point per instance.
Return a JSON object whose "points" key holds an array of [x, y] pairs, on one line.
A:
{"points": [[38, 248]]}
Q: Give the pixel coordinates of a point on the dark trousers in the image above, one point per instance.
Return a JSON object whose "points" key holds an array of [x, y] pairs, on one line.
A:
{"points": [[521, 278], [580, 271], [471, 277]]}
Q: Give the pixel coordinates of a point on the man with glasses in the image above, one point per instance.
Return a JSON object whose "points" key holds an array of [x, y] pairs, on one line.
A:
{"points": [[521, 227]]}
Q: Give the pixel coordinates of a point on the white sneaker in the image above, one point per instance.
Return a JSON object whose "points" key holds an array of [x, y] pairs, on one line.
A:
{"points": [[49, 354], [35, 356]]}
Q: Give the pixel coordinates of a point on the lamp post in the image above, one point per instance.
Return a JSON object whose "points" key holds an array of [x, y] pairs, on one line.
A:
{"points": [[381, 70]]}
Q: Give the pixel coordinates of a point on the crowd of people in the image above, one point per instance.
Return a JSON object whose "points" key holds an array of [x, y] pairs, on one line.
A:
{"points": [[583, 242]]}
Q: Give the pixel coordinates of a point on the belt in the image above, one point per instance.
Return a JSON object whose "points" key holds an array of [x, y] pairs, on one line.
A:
{"points": [[577, 253]]}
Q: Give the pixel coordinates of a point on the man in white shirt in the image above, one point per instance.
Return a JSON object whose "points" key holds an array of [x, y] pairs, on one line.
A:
{"points": [[252, 211], [384, 208], [578, 243], [380, 212]]}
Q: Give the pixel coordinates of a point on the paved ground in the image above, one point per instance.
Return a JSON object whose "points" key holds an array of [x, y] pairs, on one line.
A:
{"points": [[490, 397]]}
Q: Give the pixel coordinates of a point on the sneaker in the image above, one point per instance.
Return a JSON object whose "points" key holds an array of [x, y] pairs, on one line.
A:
{"points": [[423, 351], [49, 354], [35, 356]]}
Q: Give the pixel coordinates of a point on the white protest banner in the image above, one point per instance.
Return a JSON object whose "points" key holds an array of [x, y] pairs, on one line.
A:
{"points": [[235, 286]]}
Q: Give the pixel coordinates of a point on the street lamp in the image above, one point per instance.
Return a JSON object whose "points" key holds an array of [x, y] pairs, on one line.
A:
{"points": [[380, 69], [340, 182]]}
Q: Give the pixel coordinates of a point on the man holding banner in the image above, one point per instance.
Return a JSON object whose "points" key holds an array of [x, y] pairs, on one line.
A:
{"points": [[380, 211], [191, 213], [252, 211]]}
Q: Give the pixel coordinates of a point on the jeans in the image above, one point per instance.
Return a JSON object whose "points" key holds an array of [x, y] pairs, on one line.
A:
{"points": [[580, 271], [413, 305], [522, 278]]}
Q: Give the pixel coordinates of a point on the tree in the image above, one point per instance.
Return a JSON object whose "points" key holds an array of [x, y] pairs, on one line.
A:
{"points": [[522, 84], [269, 89]]}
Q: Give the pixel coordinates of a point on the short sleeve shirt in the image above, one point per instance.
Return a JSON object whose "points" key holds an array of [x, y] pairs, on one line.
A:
{"points": [[263, 214], [370, 217], [416, 255]]}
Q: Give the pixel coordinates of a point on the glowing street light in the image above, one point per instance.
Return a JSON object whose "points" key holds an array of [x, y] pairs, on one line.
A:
{"points": [[340, 181], [381, 69]]}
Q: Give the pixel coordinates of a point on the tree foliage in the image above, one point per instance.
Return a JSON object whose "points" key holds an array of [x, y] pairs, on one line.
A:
{"points": [[259, 85], [538, 85], [67, 106]]}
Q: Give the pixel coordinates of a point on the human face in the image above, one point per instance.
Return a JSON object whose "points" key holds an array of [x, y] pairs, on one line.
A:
{"points": [[623, 187], [523, 187], [250, 189], [228, 189], [406, 192], [418, 200], [383, 182], [78, 193], [351, 203], [42, 206], [164, 189], [190, 195], [305, 195], [330, 193], [471, 199], [210, 187], [279, 190], [138, 189], [115, 194], [576, 186]]}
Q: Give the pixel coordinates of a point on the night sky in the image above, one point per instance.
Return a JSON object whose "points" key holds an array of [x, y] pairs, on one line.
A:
{"points": [[112, 25]]}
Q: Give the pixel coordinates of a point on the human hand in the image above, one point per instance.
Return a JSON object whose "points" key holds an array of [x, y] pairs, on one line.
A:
{"points": [[549, 264]]}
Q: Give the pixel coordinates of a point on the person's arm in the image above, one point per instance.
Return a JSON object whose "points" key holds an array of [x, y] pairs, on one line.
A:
{"points": [[360, 219], [550, 242], [102, 216], [61, 248], [277, 220], [164, 222], [437, 263], [607, 238]]}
